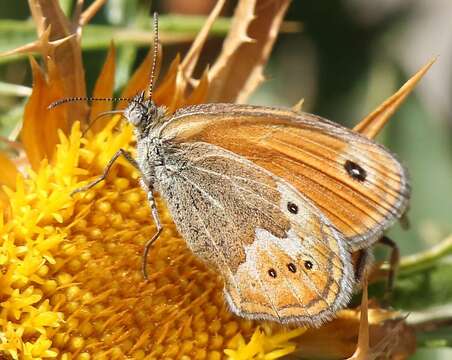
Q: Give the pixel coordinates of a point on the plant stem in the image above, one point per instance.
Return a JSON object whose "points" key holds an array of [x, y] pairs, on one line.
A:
{"points": [[425, 259]]}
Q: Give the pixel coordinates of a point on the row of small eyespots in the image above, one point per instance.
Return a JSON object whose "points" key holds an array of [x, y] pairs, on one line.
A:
{"points": [[292, 268]]}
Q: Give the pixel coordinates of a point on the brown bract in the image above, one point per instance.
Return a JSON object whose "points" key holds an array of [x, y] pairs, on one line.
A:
{"points": [[373, 123], [360, 334], [67, 57], [239, 68]]}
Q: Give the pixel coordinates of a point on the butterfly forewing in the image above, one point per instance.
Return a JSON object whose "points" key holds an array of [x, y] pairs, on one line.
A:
{"points": [[281, 259], [353, 181]]}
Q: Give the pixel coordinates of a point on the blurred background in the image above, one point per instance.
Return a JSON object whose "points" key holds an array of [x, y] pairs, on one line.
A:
{"points": [[348, 56]]}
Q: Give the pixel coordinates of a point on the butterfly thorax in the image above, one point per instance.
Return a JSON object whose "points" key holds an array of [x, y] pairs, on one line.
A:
{"points": [[150, 156]]}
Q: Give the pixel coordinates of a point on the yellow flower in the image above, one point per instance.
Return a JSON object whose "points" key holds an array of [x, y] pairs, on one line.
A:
{"points": [[70, 279]]}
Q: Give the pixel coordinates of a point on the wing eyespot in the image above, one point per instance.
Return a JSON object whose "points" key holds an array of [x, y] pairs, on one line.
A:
{"points": [[272, 273], [355, 171], [308, 265], [293, 208], [292, 268]]}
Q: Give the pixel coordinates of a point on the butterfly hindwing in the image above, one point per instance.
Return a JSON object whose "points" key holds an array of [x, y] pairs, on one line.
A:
{"points": [[280, 258]]}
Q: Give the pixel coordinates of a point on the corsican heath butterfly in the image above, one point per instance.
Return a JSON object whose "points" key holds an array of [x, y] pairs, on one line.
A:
{"points": [[277, 201]]}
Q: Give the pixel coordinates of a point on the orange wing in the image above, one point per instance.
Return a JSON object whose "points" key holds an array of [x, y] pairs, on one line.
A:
{"points": [[355, 182]]}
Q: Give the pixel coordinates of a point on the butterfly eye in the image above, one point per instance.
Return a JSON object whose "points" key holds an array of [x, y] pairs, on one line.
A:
{"points": [[292, 268], [293, 208], [272, 273], [308, 265], [355, 171]]}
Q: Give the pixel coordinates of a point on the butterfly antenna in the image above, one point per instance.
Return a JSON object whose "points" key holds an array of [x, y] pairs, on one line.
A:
{"points": [[77, 98], [155, 55]]}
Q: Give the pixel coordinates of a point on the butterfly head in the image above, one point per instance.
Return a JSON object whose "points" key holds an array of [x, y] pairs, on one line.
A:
{"points": [[141, 112]]}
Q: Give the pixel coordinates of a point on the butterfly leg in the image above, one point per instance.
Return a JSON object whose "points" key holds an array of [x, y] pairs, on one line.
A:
{"points": [[363, 261], [120, 152], [158, 224], [405, 221], [393, 263]]}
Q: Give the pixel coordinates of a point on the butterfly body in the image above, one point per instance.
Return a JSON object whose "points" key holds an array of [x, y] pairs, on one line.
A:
{"points": [[274, 200]]}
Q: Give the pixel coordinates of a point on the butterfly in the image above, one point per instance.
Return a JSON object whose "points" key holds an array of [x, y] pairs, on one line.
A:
{"points": [[276, 201]]}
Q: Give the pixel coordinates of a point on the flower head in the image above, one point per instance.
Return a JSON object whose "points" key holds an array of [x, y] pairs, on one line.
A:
{"points": [[72, 282]]}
